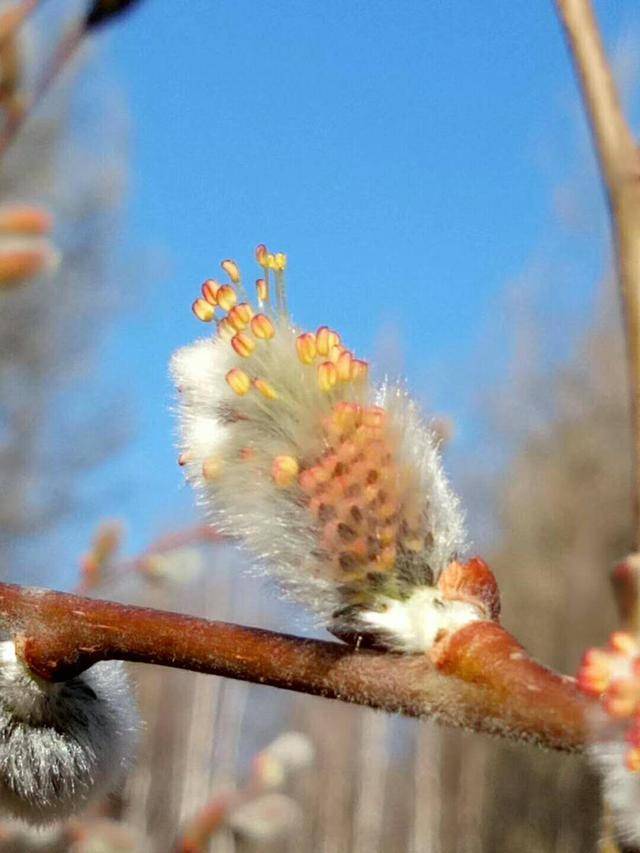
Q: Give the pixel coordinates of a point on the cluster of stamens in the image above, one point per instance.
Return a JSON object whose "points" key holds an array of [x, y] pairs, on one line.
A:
{"points": [[334, 363], [352, 488], [245, 330], [613, 674]]}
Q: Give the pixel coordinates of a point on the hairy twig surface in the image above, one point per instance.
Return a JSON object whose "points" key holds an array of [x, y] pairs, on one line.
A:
{"points": [[481, 679]]}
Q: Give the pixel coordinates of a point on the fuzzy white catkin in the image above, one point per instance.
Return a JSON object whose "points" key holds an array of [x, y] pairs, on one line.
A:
{"points": [[245, 503], [335, 486], [621, 789], [61, 744]]}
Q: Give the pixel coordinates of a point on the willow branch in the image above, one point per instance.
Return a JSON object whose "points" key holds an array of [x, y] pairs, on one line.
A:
{"points": [[620, 167], [64, 53], [481, 680]]}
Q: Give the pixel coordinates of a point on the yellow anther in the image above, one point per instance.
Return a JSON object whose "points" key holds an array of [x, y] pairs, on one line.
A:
{"points": [[285, 470], [343, 366], [624, 642], [209, 290], [374, 416], [262, 290], [262, 327], [306, 347], [238, 381], [335, 353], [243, 344], [225, 329], [226, 297], [280, 261], [211, 468], [231, 269], [359, 369], [327, 375], [240, 316], [322, 340], [347, 415], [632, 759], [265, 389], [203, 310], [270, 261], [325, 339], [261, 254]]}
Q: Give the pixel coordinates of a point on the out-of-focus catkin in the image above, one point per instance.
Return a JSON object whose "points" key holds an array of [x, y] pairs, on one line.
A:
{"points": [[61, 744]]}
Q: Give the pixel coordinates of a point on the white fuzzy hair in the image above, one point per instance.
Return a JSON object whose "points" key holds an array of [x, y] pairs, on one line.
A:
{"points": [[61, 744], [244, 502], [621, 788]]}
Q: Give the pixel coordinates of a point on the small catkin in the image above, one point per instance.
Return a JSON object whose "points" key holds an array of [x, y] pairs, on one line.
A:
{"points": [[61, 744]]}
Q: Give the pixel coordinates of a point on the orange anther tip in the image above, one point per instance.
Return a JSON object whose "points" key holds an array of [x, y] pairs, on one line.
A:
{"points": [[262, 290], [209, 290], [343, 366], [285, 470], [238, 381], [334, 353], [25, 219], [322, 340], [226, 297], [231, 269], [327, 375], [359, 369], [262, 327], [225, 329], [632, 760], [211, 468], [243, 344], [623, 642], [203, 310], [306, 347], [261, 254], [240, 315], [265, 389], [183, 459]]}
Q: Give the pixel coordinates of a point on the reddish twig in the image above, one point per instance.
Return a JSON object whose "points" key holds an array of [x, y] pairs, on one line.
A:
{"points": [[482, 679]]}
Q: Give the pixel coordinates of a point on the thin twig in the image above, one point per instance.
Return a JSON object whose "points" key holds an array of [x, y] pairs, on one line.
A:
{"points": [[64, 53], [620, 165], [481, 679]]}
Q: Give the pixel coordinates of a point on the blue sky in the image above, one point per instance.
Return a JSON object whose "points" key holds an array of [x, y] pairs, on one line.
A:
{"points": [[404, 154]]}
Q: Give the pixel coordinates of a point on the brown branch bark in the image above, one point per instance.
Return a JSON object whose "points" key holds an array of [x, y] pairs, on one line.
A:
{"points": [[481, 680], [620, 166]]}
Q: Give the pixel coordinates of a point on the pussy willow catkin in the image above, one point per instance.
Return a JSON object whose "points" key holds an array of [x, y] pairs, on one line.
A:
{"points": [[334, 484], [61, 744]]}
